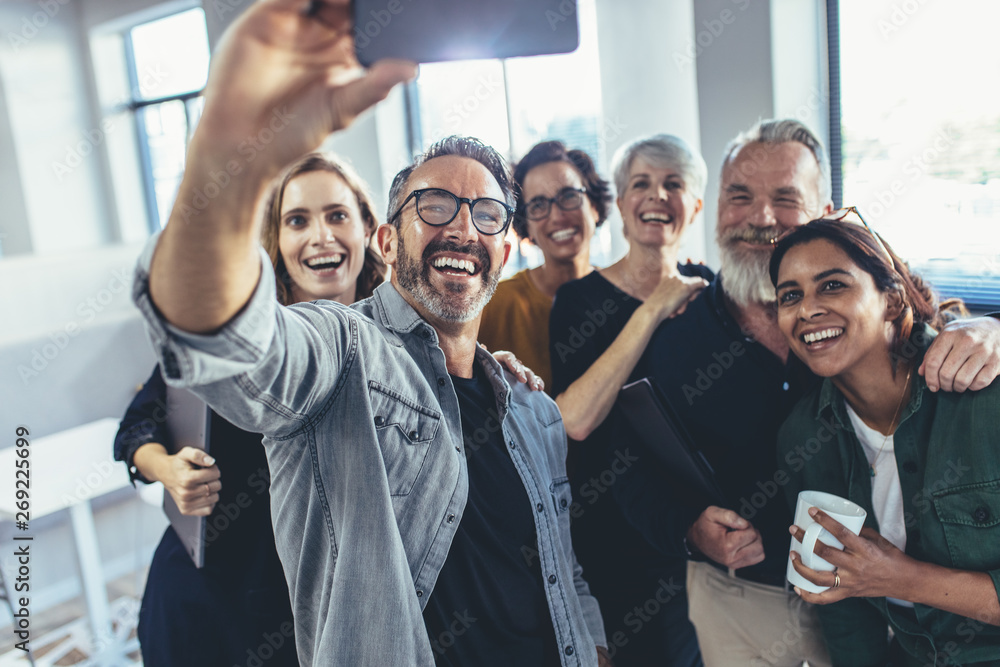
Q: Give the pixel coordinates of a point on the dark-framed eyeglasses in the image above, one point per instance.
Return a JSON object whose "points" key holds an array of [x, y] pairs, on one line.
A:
{"points": [[568, 199], [437, 207], [852, 215]]}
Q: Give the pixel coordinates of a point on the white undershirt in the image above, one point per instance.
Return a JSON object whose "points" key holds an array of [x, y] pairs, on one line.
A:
{"points": [[887, 493]]}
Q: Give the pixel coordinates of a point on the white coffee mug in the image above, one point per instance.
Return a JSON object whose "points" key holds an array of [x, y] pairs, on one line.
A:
{"points": [[847, 513]]}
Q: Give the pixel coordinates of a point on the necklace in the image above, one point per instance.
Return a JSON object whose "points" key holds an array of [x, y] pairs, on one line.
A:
{"points": [[892, 424]]}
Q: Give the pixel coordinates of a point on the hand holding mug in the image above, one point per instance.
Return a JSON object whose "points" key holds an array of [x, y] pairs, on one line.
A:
{"points": [[868, 565], [848, 515]]}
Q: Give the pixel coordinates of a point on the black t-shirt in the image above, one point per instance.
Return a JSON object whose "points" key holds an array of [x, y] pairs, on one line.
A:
{"points": [[624, 571], [488, 606]]}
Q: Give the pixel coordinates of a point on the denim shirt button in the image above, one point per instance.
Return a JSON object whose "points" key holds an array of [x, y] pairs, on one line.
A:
{"points": [[562, 503], [458, 449], [451, 518], [568, 650], [981, 515], [440, 382], [512, 445], [414, 435], [539, 507], [379, 421], [552, 578], [420, 593]]}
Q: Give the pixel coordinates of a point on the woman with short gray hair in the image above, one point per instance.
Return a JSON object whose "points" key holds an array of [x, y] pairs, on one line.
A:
{"points": [[599, 328], [660, 183]]}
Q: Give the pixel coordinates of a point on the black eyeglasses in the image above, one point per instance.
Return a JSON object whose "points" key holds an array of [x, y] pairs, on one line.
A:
{"points": [[438, 207], [568, 199], [844, 215]]}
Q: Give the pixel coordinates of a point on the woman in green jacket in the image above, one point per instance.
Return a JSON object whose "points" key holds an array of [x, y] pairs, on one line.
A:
{"points": [[923, 464]]}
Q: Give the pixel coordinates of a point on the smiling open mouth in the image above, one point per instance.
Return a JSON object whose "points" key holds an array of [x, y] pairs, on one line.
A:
{"points": [[326, 262], [562, 235], [756, 236], [455, 266], [817, 336], [661, 218]]}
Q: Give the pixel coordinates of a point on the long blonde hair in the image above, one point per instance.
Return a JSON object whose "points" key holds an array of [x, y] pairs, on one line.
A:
{"points": [[372, 271]]}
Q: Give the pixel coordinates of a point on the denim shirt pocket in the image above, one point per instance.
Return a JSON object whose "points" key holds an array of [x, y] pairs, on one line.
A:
{"points": [[562, 495], [405, 430], [970, 515]]}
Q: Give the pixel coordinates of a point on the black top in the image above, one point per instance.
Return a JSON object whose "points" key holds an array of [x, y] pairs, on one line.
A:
{"points": [[732, 394], [488, 606], [623, 570], [239, 540]]}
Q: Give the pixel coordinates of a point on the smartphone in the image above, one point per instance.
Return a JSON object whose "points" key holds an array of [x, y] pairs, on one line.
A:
{"points": [[427, 31]]}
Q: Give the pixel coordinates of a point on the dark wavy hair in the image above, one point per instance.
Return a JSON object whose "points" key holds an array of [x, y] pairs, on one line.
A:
{"points": [[920, 304], [598, 189], [372, 271]]}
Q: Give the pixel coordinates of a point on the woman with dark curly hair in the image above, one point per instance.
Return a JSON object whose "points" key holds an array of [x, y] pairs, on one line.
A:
{"points": [[922, 464], [561, 201]]}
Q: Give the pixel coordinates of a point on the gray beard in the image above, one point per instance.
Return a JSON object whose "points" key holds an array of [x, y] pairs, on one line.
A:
{"points": [[457, 304], [745, 277]]}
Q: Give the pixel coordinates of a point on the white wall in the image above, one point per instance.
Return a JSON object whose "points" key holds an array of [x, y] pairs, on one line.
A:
{"points": [[15, 237], [56, 137], [644, 89]]}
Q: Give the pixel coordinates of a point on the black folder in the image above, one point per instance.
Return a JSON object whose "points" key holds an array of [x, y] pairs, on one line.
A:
{"points": [[659, 430]]}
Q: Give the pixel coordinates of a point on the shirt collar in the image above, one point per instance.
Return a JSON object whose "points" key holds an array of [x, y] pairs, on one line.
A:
{"points": [[494, 373], [395, 313], [717, 299]]}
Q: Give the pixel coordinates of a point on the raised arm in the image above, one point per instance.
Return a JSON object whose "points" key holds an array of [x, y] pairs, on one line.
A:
{"points": [[283, 77], [587, 401]]}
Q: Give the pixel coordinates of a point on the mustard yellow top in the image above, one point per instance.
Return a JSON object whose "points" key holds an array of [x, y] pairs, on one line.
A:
{"points": [[517, 319]]}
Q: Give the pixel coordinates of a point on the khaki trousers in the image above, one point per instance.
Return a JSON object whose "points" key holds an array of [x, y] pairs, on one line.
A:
{"points": [[744, 624]]}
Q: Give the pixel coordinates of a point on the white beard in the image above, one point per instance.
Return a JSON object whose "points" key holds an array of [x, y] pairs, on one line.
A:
{"points": [[745, 277]]}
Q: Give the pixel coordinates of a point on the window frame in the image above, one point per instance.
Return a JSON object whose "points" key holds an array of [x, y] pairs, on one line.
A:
{"points": [[137, 104], [980, 294]]}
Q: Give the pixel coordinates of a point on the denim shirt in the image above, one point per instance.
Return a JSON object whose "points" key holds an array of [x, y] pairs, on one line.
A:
{"points": [[369, 479], [949, 471]]}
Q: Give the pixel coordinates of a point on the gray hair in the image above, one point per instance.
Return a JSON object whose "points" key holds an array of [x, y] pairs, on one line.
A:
{"points": [[469, 147], [780, 131], [662, 150]]}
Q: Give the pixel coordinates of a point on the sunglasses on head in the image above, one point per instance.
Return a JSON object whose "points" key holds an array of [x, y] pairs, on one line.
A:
{"points": [[851, 214]]}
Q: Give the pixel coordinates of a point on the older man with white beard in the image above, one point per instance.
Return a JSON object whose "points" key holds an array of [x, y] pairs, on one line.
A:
{"points": [[726, 368]]}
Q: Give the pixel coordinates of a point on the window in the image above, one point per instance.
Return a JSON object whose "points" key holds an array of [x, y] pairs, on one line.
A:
{"points": [[513, 104], [168, 67], [921, 135]]}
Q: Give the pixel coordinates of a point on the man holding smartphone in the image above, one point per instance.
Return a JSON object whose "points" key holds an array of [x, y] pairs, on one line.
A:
{"points": [[421, 506]]}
